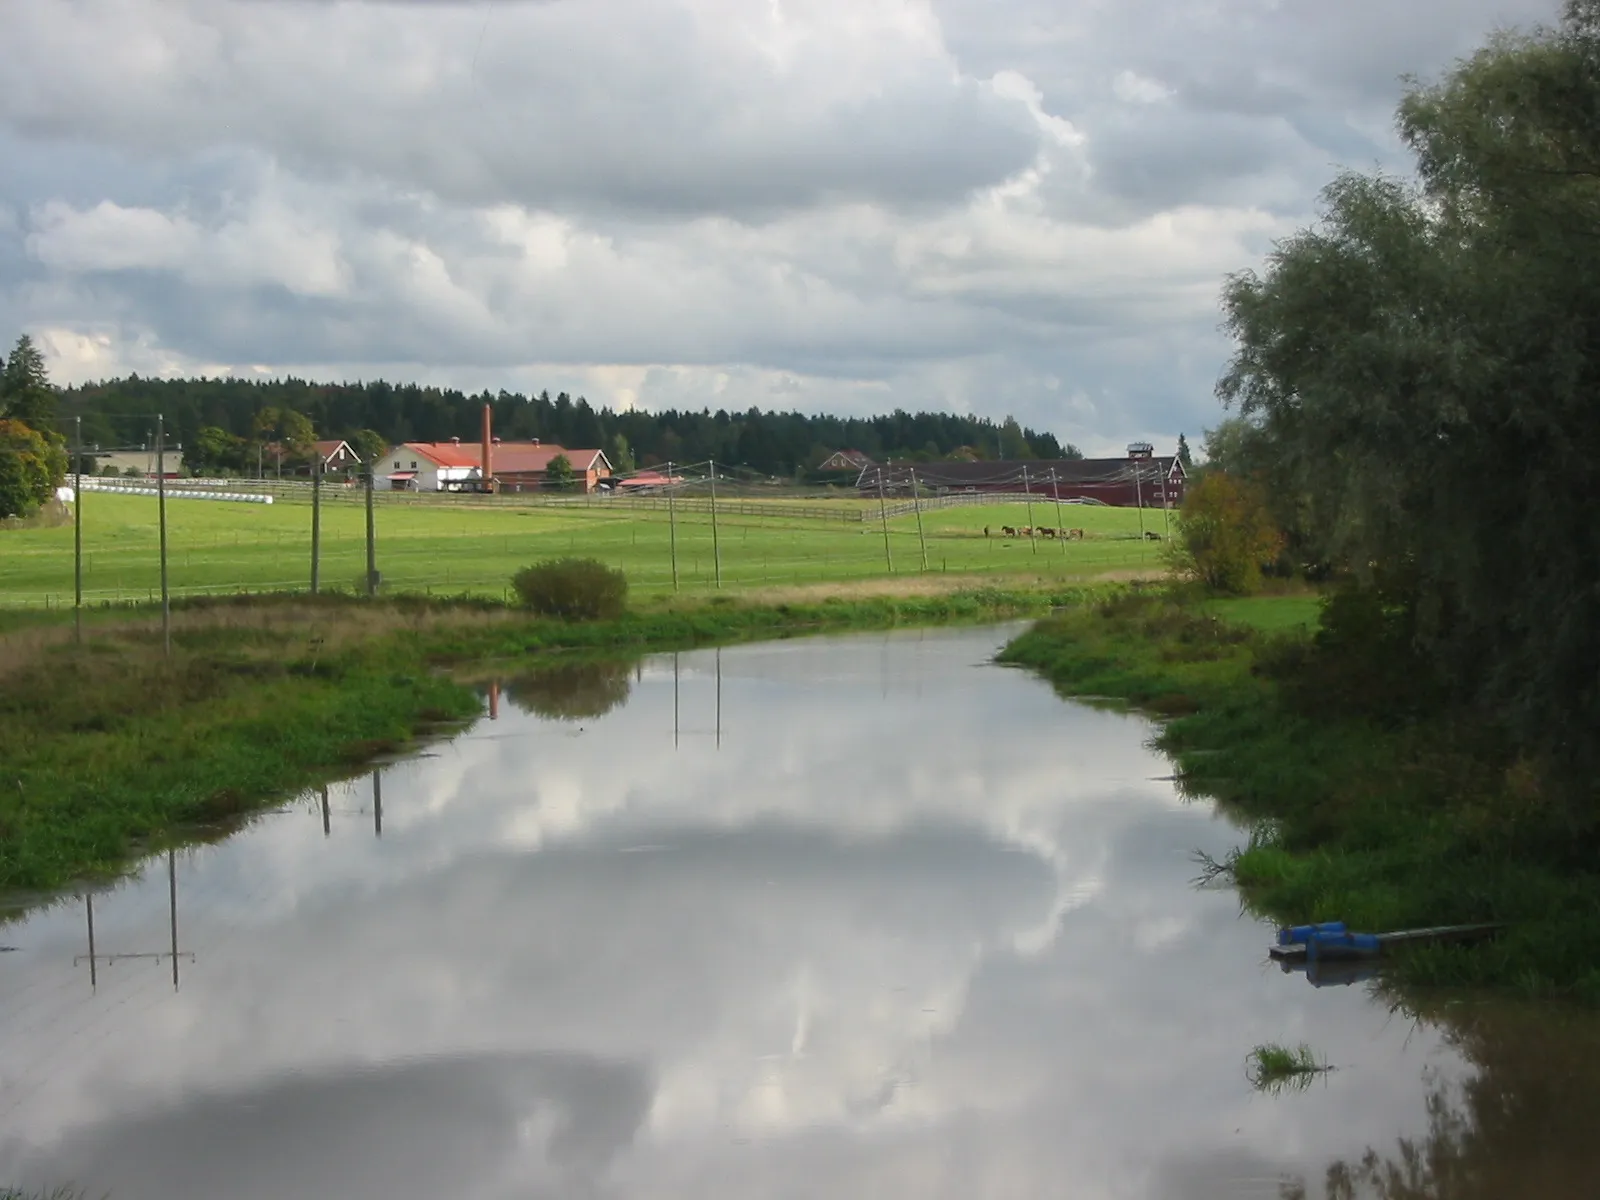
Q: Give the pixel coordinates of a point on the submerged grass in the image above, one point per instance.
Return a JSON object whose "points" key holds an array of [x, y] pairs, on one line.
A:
{"points": [[111, 748], [1385, 822], [1272, 1068]]}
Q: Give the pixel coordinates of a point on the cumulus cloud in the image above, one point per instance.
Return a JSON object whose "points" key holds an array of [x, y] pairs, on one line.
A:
{"points": [[842, 204]]}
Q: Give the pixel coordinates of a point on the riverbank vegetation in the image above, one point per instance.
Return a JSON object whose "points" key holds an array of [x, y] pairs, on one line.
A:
{"points": [[113, 746], [1367, 801], [1414, 383]]}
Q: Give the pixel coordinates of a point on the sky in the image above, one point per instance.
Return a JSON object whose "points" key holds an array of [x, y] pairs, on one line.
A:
{"points": [[1020, 207]]}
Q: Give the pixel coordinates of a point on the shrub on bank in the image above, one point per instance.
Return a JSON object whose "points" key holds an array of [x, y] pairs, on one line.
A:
{"points": [[575, 589]]}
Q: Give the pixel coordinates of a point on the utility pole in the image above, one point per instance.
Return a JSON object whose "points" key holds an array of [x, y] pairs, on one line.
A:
{"points": [[372, 547], [672, 524], [316, 517], [161, 512], [883, 514], [1033, 538], [716, 546], [77, 532], [916, 503]]}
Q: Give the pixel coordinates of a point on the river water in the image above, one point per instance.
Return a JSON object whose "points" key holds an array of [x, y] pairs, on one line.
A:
{"points": [[855, 917]]}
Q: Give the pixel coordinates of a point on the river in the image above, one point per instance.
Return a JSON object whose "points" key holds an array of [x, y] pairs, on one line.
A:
{"points": [[853, 917]]}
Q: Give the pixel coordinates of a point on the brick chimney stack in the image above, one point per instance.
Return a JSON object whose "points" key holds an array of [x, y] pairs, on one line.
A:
{"points": [[488, 449]]}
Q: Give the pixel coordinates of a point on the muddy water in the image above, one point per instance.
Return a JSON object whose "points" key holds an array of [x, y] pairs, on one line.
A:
{"points": [[863, 917]]}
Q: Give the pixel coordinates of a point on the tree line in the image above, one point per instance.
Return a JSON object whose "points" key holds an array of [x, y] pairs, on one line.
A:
{"points": [[1416, 394], [221, 424]]}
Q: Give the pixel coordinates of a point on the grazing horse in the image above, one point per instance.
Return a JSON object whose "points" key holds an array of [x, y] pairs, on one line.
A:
{"points": [[1026, 531], [1150, 535], [1047, 531], [1075, 533], [985, 531], [1008, 530]]}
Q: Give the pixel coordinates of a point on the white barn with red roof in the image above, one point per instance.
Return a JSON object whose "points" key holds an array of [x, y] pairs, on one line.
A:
{"points": [[457, 466]]}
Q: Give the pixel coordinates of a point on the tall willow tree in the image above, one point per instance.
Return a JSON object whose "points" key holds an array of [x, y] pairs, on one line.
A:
{"points": [[1423, 367]]}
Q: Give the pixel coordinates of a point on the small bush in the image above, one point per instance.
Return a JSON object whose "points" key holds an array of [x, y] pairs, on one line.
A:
{"points": [[575, 589], [1226, 534]]}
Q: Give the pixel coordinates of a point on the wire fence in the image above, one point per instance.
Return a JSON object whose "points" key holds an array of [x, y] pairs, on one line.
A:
{"points": [[700, 531]]}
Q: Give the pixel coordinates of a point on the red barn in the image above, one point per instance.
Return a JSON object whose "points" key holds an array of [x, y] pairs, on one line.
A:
{"points": [[1142, 478]]}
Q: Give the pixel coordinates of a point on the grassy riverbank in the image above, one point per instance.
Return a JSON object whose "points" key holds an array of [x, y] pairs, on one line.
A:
{"points": [[111, 747], [1385, 819]]}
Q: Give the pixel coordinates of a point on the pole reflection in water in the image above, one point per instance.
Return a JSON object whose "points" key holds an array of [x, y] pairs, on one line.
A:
{"points": [[94, 957], [377, 804], [327, 827]]}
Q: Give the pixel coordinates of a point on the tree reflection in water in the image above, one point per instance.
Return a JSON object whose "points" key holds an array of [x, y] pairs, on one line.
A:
{"points": [[575, 691], [1525, 1124]]}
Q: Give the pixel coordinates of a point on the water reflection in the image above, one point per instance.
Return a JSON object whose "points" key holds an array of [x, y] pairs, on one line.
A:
{"points": [[1523, 1125], [171, 954], [915, 927], [577, 691]]}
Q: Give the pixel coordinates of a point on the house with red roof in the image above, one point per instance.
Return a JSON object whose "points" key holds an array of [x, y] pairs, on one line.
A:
{"points": [[457, 466]]}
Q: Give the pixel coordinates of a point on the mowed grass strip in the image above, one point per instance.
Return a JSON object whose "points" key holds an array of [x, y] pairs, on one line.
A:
{"points": [[474, 549]]}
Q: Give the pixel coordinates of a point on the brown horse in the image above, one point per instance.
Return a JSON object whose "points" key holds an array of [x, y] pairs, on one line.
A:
{"points": [[1008, 531], [1076, 534]]}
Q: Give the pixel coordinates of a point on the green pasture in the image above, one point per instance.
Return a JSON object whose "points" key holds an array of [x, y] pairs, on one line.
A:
{"points": [[454, 548]]}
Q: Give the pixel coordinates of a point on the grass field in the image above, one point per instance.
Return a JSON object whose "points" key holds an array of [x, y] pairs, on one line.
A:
{"points": [[445, 548]]}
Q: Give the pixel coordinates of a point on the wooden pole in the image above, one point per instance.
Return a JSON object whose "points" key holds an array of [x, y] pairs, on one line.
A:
{"points": [[172, 903], [916, 502], [316, 518], [1027, 487], [1138, 492], [883, 515], [77, 536], [1061, 531], [372, 547], [672, 523], [94, 978], [716, 545], [161, 512]]}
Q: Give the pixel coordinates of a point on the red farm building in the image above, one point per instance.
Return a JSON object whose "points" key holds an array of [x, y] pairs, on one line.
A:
{"points": [[1142, 478]]}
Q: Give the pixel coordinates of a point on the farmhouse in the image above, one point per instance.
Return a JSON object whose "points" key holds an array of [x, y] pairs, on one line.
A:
{"points": [[337, 457], [457, 466], [1143, 477]]}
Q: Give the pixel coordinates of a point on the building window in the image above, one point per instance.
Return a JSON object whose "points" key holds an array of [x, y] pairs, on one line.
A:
{"points": [[413, 465], [397, 464]]}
